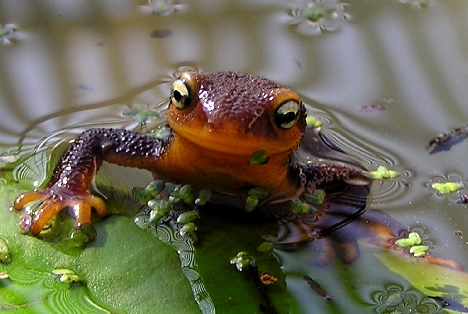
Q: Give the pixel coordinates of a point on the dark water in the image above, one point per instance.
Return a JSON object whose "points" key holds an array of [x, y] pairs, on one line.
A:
{"points": [[72, 65]]}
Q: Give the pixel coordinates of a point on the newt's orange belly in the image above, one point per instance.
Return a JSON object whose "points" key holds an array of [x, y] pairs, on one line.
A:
{"points": [[187, 162]]}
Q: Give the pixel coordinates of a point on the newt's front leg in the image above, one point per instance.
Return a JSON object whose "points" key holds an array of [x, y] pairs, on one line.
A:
{"points": [[70, 184]]}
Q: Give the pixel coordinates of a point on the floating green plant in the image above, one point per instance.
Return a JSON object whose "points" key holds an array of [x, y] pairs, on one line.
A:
{"points": [[413, 241], [255, 195], [383, 173], [141, 115], [242, 260], [313, 122], [299, 207], [66, 275], [162, 197], [447, 187], [265, 247], [315, 198], [258, 158], [5, 254]]}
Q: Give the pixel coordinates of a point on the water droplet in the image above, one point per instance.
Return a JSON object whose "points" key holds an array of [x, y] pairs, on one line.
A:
{"points": [[25, 223]]}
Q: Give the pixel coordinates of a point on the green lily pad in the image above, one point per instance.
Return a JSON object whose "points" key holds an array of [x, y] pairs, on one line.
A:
{"points": [[432, 280], [124, 270]]}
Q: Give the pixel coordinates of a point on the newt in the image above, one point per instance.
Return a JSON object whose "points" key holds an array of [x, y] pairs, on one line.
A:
{"points": [[217, 122]]}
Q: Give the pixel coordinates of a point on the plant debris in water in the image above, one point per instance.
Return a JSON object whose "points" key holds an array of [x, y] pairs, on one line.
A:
{"points": [[445, 141], [463, 199], [416, 3], [161, 33], [245, 262], [373, 108], [450, 304], [317, 288]]}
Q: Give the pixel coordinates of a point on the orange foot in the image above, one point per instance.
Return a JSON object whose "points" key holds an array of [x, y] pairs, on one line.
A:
{"points": [[53, 200]]}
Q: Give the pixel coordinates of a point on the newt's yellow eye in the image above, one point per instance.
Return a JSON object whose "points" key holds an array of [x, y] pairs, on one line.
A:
{"points": [[286, 115], [181, 96]]}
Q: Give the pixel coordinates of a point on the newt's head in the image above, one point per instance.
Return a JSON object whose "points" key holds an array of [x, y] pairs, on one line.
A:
{"points": [[236, 113]]}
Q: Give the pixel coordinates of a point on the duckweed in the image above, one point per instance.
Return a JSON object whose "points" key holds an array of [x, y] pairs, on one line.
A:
{"points": [[254, 196], [316, 198], [5, 255], [141, 115], [66, 275], [203, 197], [242, 260], [83, 233], [419, 250], [155, 187], [447, 187], [161, 197], [187, 217], [298, 207], [383, 173], [258, 158], [259, 193], [316, 13], [265, 247], [188, 230], [313, 122], [413, 241], [251, 203]]}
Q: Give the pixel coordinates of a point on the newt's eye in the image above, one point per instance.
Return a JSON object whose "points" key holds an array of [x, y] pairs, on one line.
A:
{"points": [[286, 115], [181, 96]]}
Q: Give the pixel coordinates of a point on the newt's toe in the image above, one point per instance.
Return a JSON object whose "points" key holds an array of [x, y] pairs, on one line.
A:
{"points": [[53, 200], [40, 218], [28, 197]]}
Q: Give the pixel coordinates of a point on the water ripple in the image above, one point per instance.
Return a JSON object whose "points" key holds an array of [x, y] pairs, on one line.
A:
{"points": [[394, 298], [168, 233]]}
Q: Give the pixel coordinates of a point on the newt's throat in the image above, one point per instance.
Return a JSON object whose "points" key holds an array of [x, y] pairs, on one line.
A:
{"points": [[190, 163]]}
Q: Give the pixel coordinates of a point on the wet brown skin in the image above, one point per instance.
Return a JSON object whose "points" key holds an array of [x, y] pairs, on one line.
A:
{"points": [[218, 121]]}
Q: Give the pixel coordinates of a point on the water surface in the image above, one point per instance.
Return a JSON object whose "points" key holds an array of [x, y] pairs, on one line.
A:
{"points": [[72, 65]]}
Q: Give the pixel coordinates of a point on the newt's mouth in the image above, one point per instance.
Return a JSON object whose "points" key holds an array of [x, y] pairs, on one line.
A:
{"points": [[229, 142]]}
